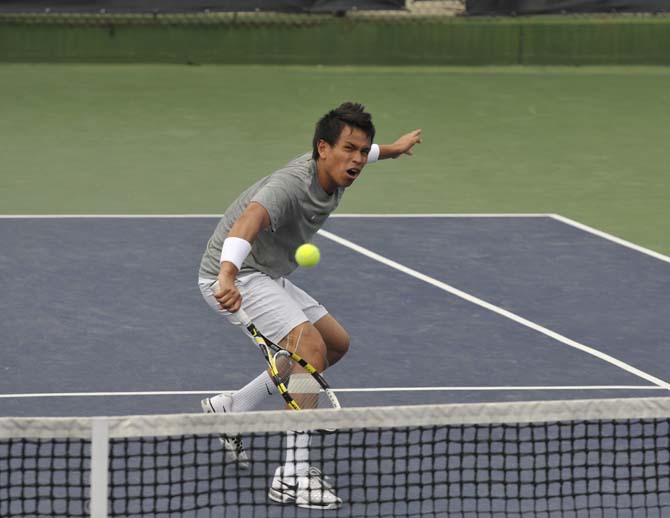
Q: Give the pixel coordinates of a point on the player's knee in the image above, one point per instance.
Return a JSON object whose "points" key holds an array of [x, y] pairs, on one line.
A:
{"points": [[312, 347], [316, 353], [336, 338], [338, 347]]}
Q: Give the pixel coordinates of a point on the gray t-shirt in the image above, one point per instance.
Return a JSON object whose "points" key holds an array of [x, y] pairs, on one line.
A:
{"points": [[298, 207]]}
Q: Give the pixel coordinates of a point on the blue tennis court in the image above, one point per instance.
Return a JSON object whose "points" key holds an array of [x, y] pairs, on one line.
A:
{"points": [[102, 315]]}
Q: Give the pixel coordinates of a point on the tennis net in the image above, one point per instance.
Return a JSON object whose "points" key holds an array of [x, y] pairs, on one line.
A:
{"points": [[590, 458]]}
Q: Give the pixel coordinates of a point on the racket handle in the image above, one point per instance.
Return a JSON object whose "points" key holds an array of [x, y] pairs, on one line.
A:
{"points": [[242, 317]]}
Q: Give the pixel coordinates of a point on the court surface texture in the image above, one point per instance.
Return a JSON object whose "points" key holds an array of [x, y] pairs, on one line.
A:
{"points": [[102, 315]]}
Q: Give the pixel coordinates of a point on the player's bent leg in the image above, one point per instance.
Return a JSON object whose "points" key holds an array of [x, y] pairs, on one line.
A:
{"points": [[335, 337], [306, 341], [296, 481], [332, 333]]}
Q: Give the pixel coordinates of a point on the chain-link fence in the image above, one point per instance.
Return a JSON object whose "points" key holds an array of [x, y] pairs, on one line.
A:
{"points": [[412, 11], [100, 13], [386, 32]]}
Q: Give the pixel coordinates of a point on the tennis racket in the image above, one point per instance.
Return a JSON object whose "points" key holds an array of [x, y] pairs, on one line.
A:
{"points": [[297, 381]]}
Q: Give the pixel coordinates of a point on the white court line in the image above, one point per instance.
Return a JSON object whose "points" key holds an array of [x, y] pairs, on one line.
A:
{"points": [[107, 216], [339, 390], [494, 389], [610, 237], [495, 309], [186, 216], [451, 215]]}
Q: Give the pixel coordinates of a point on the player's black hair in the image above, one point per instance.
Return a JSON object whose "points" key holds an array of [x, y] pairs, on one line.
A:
{"points": [[330, 126]]}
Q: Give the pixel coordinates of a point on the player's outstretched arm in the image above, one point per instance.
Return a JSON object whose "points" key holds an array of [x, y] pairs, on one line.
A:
{"points": [[402, 146]]}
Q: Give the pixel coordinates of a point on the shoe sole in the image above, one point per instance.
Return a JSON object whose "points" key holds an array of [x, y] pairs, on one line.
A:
{"points": [[283, 498], [280, 498]]}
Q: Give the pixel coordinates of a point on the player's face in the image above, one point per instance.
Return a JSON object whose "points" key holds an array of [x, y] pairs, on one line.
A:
{"points": [[340, 165]]}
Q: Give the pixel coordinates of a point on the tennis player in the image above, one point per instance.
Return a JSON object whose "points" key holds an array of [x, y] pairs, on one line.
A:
{"points": [[249, 256]]}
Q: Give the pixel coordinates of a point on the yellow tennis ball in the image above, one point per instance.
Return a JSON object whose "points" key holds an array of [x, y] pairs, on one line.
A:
{"points": [[307, 255]]}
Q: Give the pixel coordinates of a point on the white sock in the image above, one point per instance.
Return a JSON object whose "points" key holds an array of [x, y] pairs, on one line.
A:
{"points": [[297, 454], [248, 397]]}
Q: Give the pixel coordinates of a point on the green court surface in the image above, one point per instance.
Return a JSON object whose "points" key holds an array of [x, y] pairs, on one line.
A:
{"points": [[588, 143]]}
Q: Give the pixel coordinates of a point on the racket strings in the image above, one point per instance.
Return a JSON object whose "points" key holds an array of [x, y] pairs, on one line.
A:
{"points": [[304, 388], [300, 384], [284, 365]]}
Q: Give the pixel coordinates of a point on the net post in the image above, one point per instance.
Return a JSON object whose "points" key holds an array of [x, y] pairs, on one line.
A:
{"points": [[99, 467]]}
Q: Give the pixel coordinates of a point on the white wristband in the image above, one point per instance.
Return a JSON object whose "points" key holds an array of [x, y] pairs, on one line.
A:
{"points": [[373, 155], [235, 250]]}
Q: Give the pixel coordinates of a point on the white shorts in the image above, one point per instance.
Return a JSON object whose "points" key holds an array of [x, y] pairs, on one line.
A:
{"points": [[276, 306]]}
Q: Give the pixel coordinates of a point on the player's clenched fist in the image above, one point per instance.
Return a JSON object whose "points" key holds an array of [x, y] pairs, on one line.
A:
{"points": [[227, 294]]}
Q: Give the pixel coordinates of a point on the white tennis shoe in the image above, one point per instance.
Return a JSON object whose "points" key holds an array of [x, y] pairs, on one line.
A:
{"points": [[310, 491], [232, 444]]}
